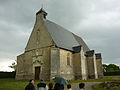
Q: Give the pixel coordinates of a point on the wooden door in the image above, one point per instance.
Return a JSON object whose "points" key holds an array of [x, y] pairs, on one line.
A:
{"points": [[37, 73]]}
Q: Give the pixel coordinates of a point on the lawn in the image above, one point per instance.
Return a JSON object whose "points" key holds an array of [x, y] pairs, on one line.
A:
{"points": [[12, 84]]}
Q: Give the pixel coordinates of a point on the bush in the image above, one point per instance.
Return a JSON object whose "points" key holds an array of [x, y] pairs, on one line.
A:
{"points": [[7, 74], [112, 73]]}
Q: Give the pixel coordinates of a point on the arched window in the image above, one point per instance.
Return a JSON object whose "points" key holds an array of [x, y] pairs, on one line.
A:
{"points": [[68, 58]]}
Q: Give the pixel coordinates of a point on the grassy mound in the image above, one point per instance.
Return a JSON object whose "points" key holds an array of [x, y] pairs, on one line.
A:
{"points": [[107, 86]]}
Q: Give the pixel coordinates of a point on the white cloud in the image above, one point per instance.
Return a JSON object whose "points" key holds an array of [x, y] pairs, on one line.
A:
{"points": [[4, 65]]}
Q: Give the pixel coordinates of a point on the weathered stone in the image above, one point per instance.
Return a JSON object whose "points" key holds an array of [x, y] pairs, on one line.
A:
{"points": [[43, 59]]}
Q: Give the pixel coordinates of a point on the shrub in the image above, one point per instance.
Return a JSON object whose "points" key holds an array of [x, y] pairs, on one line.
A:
{"points": [[112, 73], [7, 74]]}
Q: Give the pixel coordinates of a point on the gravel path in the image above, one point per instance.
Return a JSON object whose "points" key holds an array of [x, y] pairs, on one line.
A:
{"points": [[88, 86]]}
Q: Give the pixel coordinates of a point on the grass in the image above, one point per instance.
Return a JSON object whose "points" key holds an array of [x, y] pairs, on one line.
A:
{"points": [[98, 87], [12, 84], [105, 78], [110, 86], [107, 86]]}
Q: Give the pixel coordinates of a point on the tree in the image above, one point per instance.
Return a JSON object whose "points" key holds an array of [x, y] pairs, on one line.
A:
{"points": [[14, 65], [111, 68], [105, 67]]}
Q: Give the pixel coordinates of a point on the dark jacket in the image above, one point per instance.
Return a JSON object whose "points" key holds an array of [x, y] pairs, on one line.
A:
{"points": [[58, 87], [42, 86], [30, 86]]}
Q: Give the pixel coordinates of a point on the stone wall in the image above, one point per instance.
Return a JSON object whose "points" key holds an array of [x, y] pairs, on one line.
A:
{"points": [[24, 68], [66, 64], [77, 66], [55, 62], [37, 52], [20, 67], [29, 60], [40, 37], [45, 72], [99, 68], [83, 65], [90, 65], [95, 67]]}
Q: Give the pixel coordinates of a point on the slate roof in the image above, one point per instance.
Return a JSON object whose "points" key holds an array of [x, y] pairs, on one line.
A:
{"points": [[77, 49], [89, 53], [81, 42], [98, 56], [64, 38]]}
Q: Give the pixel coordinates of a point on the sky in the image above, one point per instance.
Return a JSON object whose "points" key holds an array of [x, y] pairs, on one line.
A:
{"points": [[96, 21]]}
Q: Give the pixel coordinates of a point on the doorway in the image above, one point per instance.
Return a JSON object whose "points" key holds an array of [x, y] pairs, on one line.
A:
{"points": [[37, 73]]}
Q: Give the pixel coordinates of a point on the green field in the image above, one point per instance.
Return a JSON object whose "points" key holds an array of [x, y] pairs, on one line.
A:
{"points": [[12, 84]]}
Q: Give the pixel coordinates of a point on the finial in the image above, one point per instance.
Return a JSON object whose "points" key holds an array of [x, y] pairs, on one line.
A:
{"points": [[42, 5]]}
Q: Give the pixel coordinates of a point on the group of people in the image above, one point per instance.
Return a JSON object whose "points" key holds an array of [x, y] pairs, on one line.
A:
{"points": [[43, 86]]}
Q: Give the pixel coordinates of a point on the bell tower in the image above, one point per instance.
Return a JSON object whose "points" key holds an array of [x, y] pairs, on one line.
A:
{"points": [[42, 13]]}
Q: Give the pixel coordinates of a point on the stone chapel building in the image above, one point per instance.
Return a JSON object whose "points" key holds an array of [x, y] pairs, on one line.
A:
{"points": [[54, 51]]}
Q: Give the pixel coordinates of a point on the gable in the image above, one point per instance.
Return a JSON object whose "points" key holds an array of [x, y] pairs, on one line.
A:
{"points": [[47, 33], [39, 37]]}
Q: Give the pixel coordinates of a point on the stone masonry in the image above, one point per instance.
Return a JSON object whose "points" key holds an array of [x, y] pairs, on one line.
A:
{"points": [[53, 51]]}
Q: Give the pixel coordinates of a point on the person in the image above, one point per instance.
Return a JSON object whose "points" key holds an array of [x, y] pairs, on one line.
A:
{"points": [[50, 86], [42, 85], [57, 86], [82, 86], [30, 86], [69, 87], [62, 86]]}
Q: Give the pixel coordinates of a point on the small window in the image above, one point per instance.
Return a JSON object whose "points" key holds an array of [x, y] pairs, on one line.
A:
{"points": [[68, 59], [38, 36]]}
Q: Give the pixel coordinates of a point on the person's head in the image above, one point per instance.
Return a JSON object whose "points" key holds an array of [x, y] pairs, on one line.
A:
{"points": [[41, 80], [53, 78], [57, 84], [50, 85], [31, 81], [68, 86], [81, 85]]}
